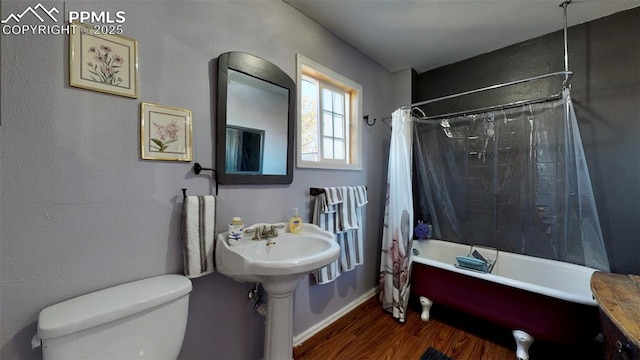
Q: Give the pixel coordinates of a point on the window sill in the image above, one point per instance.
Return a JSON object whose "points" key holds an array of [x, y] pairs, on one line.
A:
{"points": [[326, 166]]}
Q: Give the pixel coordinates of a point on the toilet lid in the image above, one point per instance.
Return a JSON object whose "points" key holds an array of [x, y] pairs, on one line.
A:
{"points": [[110, 304]]}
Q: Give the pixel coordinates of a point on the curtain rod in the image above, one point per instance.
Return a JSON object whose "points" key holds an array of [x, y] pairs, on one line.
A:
{"points": [[491, 108], [566, 47], [566, 74]]}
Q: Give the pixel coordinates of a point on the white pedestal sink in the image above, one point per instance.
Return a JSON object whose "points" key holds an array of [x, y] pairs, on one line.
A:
{"points": [[279, 267]]}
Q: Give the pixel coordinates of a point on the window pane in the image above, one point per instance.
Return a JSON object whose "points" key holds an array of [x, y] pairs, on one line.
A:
{"points": [[310, 147], [338, 103], [338, 126], [327, 124], [327, 148], [309, 120], [338, 148], [327, 103], [310, 157]]}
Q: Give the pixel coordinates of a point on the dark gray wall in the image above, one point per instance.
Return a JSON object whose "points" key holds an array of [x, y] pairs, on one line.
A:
{"points": [[605, 57]]}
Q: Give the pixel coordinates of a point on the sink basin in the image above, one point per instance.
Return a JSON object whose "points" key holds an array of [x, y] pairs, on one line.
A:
{"points": [[290, 255], [279, 264]]}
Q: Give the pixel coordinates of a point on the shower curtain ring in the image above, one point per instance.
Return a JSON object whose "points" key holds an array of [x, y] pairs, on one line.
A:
{"points": [[415, 108]]}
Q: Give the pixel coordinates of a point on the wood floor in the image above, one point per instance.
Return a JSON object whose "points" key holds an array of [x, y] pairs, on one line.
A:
{"points": [[368, 332]]}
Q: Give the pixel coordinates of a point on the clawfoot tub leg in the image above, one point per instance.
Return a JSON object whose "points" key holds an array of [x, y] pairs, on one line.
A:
{"points": [[426, 306], [523, 341]]}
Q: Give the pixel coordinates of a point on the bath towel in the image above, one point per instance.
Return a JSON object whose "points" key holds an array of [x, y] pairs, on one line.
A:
{"points": [[332, 197], [343, 201], [339, 211], [347, 209], [198, 234], [361, 195]]}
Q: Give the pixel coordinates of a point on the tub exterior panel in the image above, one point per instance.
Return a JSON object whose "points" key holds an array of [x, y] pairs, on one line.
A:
{"points": [[543, 317]]}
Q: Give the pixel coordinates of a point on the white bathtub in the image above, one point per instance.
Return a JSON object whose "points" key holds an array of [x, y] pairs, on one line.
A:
{"points": [[534, 297]]}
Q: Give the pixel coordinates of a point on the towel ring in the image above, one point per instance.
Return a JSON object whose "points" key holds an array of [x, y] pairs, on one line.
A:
{"points": [[197, 169]]}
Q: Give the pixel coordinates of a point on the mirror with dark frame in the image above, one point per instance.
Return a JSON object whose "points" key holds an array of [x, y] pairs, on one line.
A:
{"points": [[255, 121]]}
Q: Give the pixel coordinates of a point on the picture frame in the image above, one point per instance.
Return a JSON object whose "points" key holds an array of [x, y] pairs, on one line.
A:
{"points": [[165, 133], [103, 62]]}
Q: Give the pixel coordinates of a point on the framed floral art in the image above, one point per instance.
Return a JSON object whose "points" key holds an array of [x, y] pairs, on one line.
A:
{"points": [[102, 62], [165, 133]]}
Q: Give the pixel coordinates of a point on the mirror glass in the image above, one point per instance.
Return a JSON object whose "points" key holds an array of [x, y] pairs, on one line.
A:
{"points": [[256, 110], [245, 150]]}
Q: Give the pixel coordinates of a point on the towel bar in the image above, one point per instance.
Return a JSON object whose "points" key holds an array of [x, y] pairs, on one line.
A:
{"points": [[317, 191]]}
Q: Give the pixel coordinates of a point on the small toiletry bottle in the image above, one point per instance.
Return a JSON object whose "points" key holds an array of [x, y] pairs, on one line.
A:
{"points": [[235, 231], [295, 224]]}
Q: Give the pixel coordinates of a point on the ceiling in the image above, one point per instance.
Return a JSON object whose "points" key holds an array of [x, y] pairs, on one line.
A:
{"points": [[426, 34]]}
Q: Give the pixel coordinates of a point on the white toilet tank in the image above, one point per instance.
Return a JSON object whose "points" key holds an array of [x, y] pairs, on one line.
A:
{"points": [[144, 319]]}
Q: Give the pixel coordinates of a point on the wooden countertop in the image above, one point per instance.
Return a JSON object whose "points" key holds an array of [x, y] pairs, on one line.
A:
{"points": [[619, 298]]}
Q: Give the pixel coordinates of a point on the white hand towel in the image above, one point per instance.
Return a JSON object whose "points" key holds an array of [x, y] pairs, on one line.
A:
{"points": [[198, 234]]}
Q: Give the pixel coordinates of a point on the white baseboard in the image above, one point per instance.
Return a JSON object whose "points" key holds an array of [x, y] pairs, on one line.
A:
{"points": [[307, 334]]}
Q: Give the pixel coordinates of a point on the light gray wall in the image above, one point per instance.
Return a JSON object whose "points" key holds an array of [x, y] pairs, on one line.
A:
{"points": [[402, 89], [80, 211]]}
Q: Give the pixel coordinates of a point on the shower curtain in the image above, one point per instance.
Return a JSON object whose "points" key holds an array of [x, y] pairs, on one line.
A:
{"points": [[516, 180], [395, 262]]}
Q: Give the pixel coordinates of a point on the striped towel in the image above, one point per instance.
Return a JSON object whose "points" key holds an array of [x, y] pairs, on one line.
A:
{"points": [[343, 201], [198, 234], [361, 195], [333, 196], [339, 211]]}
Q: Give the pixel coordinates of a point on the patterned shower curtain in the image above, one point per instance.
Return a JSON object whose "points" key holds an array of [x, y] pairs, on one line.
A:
{"points": [[395, 262]]}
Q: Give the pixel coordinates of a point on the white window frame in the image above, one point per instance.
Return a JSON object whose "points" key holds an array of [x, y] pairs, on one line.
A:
{"points": [[354, 130]]}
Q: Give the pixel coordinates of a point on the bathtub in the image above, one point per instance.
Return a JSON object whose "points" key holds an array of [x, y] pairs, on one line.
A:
{"points": [[536, 298]]}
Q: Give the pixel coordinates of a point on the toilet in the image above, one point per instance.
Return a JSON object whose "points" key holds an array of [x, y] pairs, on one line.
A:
{"points": [[144, 319]]}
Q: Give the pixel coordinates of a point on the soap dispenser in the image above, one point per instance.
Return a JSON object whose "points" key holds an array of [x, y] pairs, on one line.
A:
{"points": [[235, 231], [295, 223]]}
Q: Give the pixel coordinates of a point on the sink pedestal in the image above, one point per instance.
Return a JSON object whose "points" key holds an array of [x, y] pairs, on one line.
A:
{"points": [[278, 338], [278, 265]]}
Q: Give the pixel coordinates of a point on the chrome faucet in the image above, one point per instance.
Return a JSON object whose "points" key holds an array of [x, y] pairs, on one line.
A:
{"points": [[271, 241], [265, 233]]}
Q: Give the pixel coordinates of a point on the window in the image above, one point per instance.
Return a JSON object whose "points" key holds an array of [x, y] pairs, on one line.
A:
{"points": [[328, 109]]}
